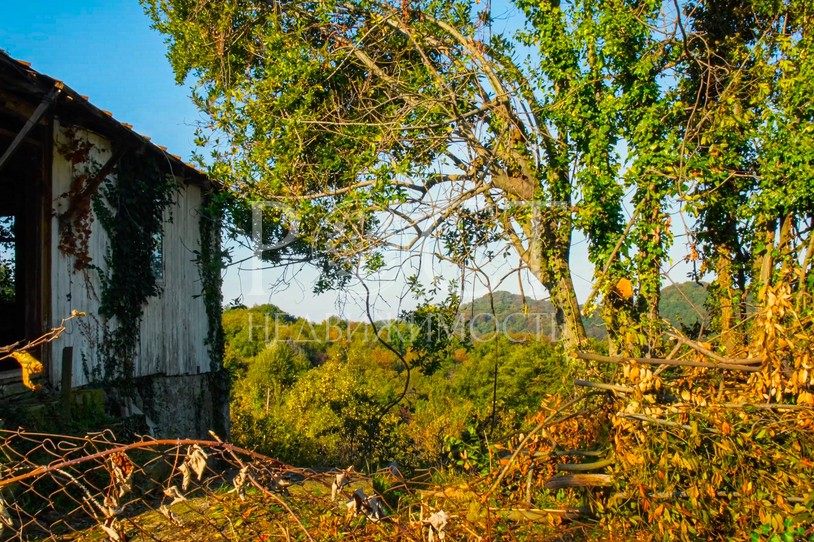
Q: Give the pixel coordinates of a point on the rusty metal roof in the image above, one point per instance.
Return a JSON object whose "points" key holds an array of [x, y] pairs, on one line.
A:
{"points": [[18, 78]]}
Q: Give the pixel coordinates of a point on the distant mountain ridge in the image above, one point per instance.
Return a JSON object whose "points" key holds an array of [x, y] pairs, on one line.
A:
{"points": [[681, 304]]}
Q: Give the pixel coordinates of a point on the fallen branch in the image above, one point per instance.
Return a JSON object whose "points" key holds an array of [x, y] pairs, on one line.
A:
{"points": [[579, 453], [766, 406], [585, 467], [540, 514], [548, 421], [648, 419], [710, 354], [667, 495], [602, 386], [579, 480], [661, 361]]}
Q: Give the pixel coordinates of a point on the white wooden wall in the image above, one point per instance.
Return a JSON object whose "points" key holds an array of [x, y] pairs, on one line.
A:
{"points": [[174, 326]]}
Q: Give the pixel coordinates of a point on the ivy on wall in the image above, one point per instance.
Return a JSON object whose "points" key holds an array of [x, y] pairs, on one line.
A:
{"points": [[131, 210], [75, 223], [210, 259]]}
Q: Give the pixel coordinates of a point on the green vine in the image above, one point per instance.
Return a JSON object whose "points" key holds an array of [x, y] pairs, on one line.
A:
{"points": [[210, 260], [210, 264], [131, 211]]}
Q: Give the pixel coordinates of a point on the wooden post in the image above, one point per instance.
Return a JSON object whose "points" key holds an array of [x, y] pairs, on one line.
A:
{"points": [[67, 379]]}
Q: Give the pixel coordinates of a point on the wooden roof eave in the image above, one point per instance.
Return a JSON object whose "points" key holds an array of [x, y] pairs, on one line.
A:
{"points": [[18, 78]]}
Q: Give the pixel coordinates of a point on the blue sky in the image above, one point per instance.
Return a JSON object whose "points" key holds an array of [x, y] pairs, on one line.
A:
{"points": [[107, 51]]}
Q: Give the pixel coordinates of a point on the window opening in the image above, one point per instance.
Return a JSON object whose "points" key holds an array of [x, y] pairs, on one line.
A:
{"points": [[8, 259]]}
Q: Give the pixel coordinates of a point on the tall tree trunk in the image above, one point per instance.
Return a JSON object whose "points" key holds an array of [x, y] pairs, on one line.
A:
{"points": [[639, 317], [652, 253], [617, 313], [547, 230], [548, 238], [568, 315]]}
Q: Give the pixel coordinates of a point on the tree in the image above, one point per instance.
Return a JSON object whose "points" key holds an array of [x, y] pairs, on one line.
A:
{"points": [[274, 370], [746, 160], [385, 125], [377, 125]]}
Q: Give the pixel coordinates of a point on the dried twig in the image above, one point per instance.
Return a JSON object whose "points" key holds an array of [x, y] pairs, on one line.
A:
{"points": [[47, 337]]}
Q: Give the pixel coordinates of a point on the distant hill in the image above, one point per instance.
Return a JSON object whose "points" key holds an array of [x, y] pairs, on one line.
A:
{"points": [[678, 305], [536, 318], [683, 304]]}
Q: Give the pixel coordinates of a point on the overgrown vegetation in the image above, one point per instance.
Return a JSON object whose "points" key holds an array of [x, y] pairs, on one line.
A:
{"points": [[373, 125], [313, 394], [669, 451], [210, 259], [132, 210]]}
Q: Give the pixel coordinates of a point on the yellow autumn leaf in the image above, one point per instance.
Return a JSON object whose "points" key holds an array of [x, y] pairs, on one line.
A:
{"points": [[30, 366], [659, 510], [624, 288]]}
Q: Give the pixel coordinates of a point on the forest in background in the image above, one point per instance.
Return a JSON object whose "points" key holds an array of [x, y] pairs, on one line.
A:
{"points": [[322, 394]]}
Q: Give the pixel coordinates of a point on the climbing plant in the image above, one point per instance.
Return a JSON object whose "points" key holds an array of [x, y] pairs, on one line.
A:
{"points": [[75, 223], [131, 210], [210, 259]]}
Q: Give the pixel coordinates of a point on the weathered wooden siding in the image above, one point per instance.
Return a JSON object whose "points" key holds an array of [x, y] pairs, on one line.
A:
{"points": [[72, 290], [173, 332], [174, 327]]}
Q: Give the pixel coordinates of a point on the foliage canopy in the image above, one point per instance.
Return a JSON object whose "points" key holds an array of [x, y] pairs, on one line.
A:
{"points": [[373, 125]]}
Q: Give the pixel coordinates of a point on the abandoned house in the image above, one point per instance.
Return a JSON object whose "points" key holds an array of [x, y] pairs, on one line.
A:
{"points": [[99, 222]]}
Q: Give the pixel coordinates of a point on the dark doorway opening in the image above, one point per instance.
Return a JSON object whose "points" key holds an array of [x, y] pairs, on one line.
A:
{"points": [[22, 245]]}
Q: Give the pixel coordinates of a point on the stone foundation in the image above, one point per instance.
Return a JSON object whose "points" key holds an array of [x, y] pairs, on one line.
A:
{"points": [[187, 406], [167, 407]]}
